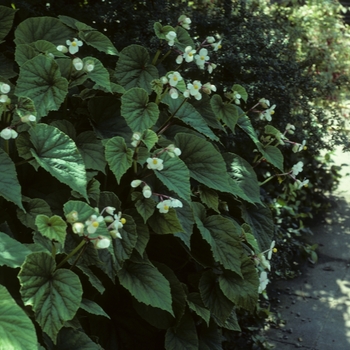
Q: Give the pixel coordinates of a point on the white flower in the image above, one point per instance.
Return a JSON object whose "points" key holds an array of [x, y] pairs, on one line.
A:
{"points": [[135, 140], [216, 46], [78, 63], [173, 151], [297, 168], [136, 183], [179, 59], [264, 262], [28, 118], [174, 78], [269, 254], [5, 88], [201, 58], [264, 102], [175, 203], [4, 98], [267, 113], [208, 88], [89, 66], [164, 206], [301, 184], [184, 21], [74, 45], [171, 36], [62, 48], [186, 93], [93, 223], [146, 191], [290, 128], [263, 280], [236, 97], [188, 55], [173, 93], [155, 163], [102, 242], [194, 89], [110, 210], [8, 134], [78, 227], [211, 67], [210, 39], [117, 224]]}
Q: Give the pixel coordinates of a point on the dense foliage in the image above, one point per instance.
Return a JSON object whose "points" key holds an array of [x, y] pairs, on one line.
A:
{"points": [[149, 163]]}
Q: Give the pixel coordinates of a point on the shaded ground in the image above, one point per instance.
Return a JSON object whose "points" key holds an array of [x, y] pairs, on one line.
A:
{"points": [[315, 307]]}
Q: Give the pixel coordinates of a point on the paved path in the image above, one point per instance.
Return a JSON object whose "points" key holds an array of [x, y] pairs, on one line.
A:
{"points": [[315, 306]]}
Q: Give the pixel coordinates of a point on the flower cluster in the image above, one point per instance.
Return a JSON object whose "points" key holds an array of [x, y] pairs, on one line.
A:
{"points": [[4, 90], [8, 133]]}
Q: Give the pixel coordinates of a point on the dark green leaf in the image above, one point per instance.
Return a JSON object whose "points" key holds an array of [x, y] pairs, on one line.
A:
{"points": [[165, 223], [92, 308]]}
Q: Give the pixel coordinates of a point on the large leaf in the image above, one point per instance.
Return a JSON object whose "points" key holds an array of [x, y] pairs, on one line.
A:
{"points": [[16, 329], [139, 113], [259, 218], [53, 227], [176, 177], [147, 285], [12, 252], [7, 15], [134, 69], [10, 188], [210, 337], [40, 79], [223, 238], [69, 339], [189, 115], [228, 113], [165, 223], [99, 41], [58, 154], [205, 163], [118, 156], [54, 295], [43, 28], [99, 74], [145, 206], [244, 175], [241, 291]]}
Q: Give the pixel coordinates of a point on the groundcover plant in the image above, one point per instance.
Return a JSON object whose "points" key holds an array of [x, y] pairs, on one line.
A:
{"points": [[125, 222]]}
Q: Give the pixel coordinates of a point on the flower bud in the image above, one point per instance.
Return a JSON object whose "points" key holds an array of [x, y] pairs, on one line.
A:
{"points": [[78, 63], [62, 48], [5, 88], [146, 191], [28, 118], [115, 234], [78, 227], [72, 217], [102, 242], [135, 183]]}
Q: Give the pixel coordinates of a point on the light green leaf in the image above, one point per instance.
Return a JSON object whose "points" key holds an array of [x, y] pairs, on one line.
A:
{"points": [[7, 14], [69, 339], [58, 154], [243, 292], [92, 151], [244, 176], [149, 138], [55, 296], [99, 41], [189, 115], [92, 308], [118, 156], [251, 240], [53, 228], [17, 331], [40, 79], [147, 285], [259, 218], [195, 303], [228, 113], [10, 188], [134, 70], [139, 113], [176, 177], [205, 163], [184, 336], [213, 297], [43, 28], [241, 90], [33, 208], [223, 238], [12, 252], [25, 106], [165, 223]]}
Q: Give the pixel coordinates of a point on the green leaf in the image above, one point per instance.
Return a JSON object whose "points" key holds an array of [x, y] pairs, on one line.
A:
{"points": [[147, 285], [176, 177], [145, 206], [142, 231], [241, 90], [273, 155], [165, 223], [99, 41], [10, 188], [24, 145], [183, 39], [259, 218], [99, 74], [58, 154], [53, 228], [161, 31], [230, 323], [134, 70], [54, 295], [95, 282], [251, 240], [210, 337], [92, 151], [7, 15], [244, 176], [16, 329], [25, 106], [13, 253], [243, 292], [209, 197], [118, 156], [184, 336], [74, 24], [69, 339], [205, 163], [149, 138], [139, 113], [92, 308], [228, 113], [40, 79], [213, 297], [185, 216], [189, 115], [196, 304], [223, 238], [43, 28]]}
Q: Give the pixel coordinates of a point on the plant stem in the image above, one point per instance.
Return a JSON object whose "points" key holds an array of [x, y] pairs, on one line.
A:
{"points": [[155, 58], [74, 251]]}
